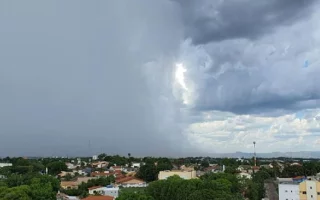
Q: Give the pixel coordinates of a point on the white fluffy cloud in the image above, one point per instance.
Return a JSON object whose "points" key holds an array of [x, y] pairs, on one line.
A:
{"points": [[237, 132]]}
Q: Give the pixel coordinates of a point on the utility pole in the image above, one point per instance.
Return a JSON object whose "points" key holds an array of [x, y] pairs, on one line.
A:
{"points": [[254, 153]]}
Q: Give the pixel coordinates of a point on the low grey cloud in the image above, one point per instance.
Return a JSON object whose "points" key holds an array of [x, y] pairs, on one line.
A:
{"points": [[74, 78], [258, 76], [208, 21]]}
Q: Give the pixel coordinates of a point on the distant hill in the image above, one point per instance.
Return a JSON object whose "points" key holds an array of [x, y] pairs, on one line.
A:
{"points": [[299, 154]]}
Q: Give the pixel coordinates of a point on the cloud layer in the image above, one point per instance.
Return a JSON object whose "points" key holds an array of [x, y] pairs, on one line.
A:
{"points": [[168, 77], [252, 70]]}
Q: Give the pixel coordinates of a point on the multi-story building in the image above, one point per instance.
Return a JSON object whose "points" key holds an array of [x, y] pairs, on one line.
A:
{"points": [[289, 191], [310, 190], [299, 188]]}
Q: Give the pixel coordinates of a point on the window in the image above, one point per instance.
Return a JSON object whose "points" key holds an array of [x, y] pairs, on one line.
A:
{"points": [[286, 191], [304, 192], [311, 188], [291, 191], [318, 193], [311, 196]]}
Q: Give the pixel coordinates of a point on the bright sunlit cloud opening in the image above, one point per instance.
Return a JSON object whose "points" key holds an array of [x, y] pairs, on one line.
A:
{"points": [[179, 75]]}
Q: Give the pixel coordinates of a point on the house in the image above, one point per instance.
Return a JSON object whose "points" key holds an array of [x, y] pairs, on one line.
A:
{"points": [[212, 168], [136, 165], [244, 168], [5, 164], [100, 164], [131, 182], [116, 168], [69, 185], [295, 164], [266, 166], [63, 174], [105, 191], [84, 179], [102, 174], [95, 190], [80, 172], [99, 198], [244, 175], [255, 168], [185, 168], [127, 169], [183, 174], [61, 196], [71, 166], [75, 184]]}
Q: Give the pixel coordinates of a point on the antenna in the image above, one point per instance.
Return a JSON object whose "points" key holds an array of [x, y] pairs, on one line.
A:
{"points": [[89, 147], [254, 153]]}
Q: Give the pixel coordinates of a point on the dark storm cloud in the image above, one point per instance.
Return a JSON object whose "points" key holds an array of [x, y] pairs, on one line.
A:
{"points": [[208, 21], [73, 78], [260, 76]]}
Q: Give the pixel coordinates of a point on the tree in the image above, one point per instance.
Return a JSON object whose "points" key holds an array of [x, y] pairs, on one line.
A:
{"points": [[102, 156], [231, 170], [56, 167], [205, 194], [134, 196], [68, 177], [204, 164], [148, 172], [20, 192], [42, 191]]}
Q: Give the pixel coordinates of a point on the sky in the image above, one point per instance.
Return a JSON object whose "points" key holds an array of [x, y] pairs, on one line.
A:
{"points": [[158, 78]]}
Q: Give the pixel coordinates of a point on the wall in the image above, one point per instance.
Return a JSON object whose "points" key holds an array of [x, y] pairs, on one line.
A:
{"points": [[288, 191], [5, 164], [183, 174], [311, 187]]}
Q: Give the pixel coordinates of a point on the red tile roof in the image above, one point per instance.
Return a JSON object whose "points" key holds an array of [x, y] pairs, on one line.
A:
{"points": [[94, 187], [125, 179], [101, 174], [298, 177], [99, 198], [255, 167]]}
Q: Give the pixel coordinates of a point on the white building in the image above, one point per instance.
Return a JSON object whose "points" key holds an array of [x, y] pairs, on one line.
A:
{"points": [[105, 191], [244, 175], [5, 164], [137, 165], [71, 166], [131, 182], [94, 157], [289, 191]]}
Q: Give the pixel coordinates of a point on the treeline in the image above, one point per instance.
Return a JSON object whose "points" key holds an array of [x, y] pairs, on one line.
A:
{"points": [[211, 186], [29, 186], [25, 181], [290, 170]]}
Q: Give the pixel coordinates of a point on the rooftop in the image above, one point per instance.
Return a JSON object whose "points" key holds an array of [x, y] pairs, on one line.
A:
{"points": [[94, 187], [99, 198]]}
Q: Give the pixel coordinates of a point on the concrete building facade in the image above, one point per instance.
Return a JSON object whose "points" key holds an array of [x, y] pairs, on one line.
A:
{"points": [[289, 191]]}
